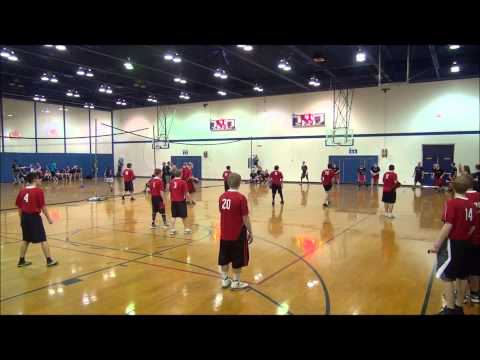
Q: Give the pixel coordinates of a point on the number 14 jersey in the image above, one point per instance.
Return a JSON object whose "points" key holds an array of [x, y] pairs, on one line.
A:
{"points": [[233, 207], [460, 212]]}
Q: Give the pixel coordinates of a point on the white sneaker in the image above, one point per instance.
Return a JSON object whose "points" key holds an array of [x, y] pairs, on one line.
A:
{"points": [[391, 216], [173, 232], [152, 226], [166, 226], [187, 231], [238, 285], [226, 283]]}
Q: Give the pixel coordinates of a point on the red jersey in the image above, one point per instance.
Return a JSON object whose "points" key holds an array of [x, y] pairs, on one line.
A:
{"points": [[178, 190], [30, 200], [389, 180], [156, 186], [276, 177], [128, 175], [327, 176], [226, 174], [462, 214], [233, 206], [474, 196]]}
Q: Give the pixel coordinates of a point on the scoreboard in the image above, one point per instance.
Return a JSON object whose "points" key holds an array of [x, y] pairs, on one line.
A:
{"points": [[222, 125], [308, 120]]}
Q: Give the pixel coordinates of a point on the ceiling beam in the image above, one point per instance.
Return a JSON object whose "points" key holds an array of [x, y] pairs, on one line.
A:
{"points": [[436, 65], [191, 62], [309, 58], [264, 68], [84, 48]]}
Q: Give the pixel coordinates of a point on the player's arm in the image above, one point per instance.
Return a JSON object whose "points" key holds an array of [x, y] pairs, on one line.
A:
{"points": [[246, 221], [187, 194], [442, 236], [47, 214]]}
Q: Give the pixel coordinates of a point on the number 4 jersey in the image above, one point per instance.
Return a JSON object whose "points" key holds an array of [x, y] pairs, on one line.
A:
{"points": [[233, 207], [30, 200], [460, 212]]}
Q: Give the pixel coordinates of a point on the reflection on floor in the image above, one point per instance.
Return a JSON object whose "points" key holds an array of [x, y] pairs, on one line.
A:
{"points": [[346, 259]]}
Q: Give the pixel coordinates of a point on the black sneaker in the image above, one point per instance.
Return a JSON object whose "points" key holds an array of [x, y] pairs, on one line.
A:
{"points": [[458, 310], [448, 311], [273, 202], [52, 263], [281, 202], [132, 198], [325, 205], [123, 197], [24, 263]]}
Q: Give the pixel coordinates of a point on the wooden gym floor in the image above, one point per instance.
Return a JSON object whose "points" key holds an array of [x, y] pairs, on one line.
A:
{"points": [[347, 259]]}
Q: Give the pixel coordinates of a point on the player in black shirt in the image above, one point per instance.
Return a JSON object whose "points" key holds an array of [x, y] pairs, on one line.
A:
{"points": [[418, 175], [336, 179], [438, 177], [304, 173]]}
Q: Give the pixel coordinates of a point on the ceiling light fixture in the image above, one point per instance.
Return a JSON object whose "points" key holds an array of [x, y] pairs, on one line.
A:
{"points": [[128, 65], [454, 68], [454, 47], [169, 56], [258, 88], [184, 96], [89, 106], [60, 47], [284, 65], [70, 93], [81, 71], [89, 73], [9, 54], [221, 93], [220, 73], [121, 102], [361, 56], [152, 98], [180, 80], [45, 77], [313, 81], [245, 47], [39, 98]]}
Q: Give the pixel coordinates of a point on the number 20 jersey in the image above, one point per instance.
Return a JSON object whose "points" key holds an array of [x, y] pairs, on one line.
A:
{"points": [[233, 207]]}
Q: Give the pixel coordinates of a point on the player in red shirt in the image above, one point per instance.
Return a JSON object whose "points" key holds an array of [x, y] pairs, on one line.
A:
{"points": [[327, 179], [156, 190], [390, 185], [225, 176], [474, 278], [31, 202], [276, 179], [178, 197], [454, 246], [235, 233], [361, 176], [128, 177]]}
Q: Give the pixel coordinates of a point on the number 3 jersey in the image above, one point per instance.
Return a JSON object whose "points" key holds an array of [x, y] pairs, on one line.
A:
{"points": [[461, 213], [30, 200], [233, 207]]}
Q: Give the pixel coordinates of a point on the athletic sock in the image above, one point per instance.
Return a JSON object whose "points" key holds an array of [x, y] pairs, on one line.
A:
{"points": [[236, 276], [224, 275]]}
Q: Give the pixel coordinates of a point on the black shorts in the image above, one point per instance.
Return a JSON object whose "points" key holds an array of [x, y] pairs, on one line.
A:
{"points": [[129, 186], [304, 175], [327, 187], [179, 209], [32, 228], [157, 205], [475, 261], [453, 260], [225, 184], [235, 251], [418, 179], [275, 188], [389, 197]]}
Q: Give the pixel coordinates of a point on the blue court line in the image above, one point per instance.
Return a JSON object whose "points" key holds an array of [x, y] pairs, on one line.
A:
{"points": [[426, 133]]}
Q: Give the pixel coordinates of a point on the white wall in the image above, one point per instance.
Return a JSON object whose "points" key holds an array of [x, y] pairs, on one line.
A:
{"points": [[18, 117], [444, 106]]}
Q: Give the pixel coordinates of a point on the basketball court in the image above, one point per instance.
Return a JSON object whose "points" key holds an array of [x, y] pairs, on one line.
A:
{"points": [[306, 259]]}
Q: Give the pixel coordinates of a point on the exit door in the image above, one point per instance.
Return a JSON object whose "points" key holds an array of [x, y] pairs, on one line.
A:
{"points": [[437, 154], [195, 160]]}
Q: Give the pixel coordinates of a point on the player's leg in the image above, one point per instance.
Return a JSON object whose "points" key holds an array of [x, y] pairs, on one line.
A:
{"points": [[461, 289], [124, 190], [280, 192], [48, 256], [240, 258], [386, 209], [274, 192], [164, 217], [449, 296], [23, 252], [154, 212]]}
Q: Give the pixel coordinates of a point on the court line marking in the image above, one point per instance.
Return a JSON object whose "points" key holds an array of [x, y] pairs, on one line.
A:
{"points": [[428, 292], [136, 260], [60, 282], [302, 258]]}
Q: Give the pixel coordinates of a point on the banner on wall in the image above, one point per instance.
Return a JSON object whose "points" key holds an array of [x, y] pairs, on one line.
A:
{"points": [[308, 120], [222, 125], [15, 133]]}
